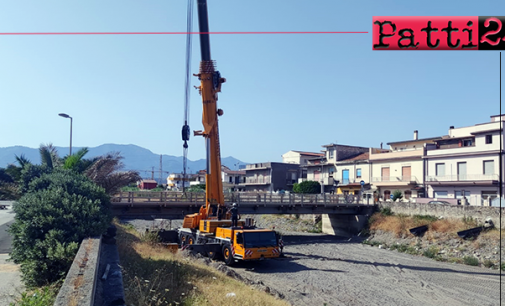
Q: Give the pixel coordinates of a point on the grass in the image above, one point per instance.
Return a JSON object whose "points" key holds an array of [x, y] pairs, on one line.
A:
{"points": [[432, 252], [154, 276], [44, 296]]}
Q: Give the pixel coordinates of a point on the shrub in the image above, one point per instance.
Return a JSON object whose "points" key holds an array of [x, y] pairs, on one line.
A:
{"points": [[386, 211], [488, 263], [471, 261], [397, 195], [52, 218], [502, 266], [431, 252], [311, 187]]}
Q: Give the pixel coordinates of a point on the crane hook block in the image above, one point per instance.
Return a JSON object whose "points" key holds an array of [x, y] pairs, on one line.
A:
{"points": [[220, 112], [185, 132]]}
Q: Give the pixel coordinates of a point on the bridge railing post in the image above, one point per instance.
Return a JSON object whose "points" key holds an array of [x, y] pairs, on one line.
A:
{"points": [[301, 198], [324, 198]]}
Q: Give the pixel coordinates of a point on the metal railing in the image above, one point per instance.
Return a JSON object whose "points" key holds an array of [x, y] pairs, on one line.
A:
{"points": [[167, 197], [463, 177], [257, 181]]}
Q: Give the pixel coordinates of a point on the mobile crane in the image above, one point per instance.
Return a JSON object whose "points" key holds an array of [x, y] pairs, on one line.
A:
{"points": [[210, 231]]}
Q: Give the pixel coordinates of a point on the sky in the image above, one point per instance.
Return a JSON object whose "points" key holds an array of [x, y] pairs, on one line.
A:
{"points": [[283, 92]]}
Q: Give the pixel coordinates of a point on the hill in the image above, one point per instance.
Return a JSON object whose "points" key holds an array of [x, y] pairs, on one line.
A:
{"points": [[135, 158]]}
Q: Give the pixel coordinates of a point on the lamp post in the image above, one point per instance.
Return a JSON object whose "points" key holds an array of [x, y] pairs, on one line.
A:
{"points": [[67, 116]]}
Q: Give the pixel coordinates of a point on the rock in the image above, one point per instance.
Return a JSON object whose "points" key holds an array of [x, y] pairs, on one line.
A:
{"points": [[231, 294], [381, 246]]}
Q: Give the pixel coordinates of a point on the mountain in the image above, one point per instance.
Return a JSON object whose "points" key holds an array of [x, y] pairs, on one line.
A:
{"points": [[135, 158]]}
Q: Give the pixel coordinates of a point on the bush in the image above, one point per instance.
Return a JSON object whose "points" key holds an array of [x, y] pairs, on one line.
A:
{"points": [[386, 211], [397, 195], [52, 217], [471, 261], [431, 252], [310, 187]]}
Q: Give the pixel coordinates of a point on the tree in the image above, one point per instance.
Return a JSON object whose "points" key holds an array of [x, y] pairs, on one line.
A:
{"points": [[58, 210], [307, 187], [397, 194], [105, 172]]}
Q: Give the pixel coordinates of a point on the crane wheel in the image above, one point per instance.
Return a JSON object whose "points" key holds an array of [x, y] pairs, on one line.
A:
{"points": [[214, 255], [227, 255]]}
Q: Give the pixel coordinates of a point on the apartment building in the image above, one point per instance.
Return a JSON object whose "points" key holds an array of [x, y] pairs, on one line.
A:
{"points": [[324, 169], [400, 168], [271, 176], [351, 171], [301, 158], [465, 163], [176, 181], [233, 180]]}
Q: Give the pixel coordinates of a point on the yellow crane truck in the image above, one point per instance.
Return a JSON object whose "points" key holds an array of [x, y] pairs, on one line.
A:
{"points": [[210, 231]]}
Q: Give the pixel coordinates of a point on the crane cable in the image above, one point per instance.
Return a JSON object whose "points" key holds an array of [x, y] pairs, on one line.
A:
{"points": [[185, 127]]}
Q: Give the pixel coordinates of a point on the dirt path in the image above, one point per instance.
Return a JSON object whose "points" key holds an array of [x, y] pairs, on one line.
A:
{"points": [[322, 269]]}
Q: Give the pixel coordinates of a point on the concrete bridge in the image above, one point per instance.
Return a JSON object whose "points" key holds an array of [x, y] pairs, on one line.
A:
{"points": [[341, 215]]}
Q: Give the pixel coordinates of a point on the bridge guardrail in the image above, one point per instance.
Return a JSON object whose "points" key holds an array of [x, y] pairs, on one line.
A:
{"points": [[238, 197]]}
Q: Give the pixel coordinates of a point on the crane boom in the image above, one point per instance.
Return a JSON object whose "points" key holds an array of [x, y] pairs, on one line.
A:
{"points": [[209, 87]]}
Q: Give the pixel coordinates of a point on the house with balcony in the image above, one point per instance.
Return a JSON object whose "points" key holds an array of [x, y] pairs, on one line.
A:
{"points": [[351, 171], [176, 181], [465, 163], [233, 180], [271, 176], [400, 168], [301, 158], [324, 169]]}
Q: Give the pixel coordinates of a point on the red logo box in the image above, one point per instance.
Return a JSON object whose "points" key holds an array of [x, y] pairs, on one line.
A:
{"points": [[439, 33]]}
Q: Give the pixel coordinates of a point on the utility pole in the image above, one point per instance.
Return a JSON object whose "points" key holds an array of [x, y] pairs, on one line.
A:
{"points": [[152, 174], [161, 169]]}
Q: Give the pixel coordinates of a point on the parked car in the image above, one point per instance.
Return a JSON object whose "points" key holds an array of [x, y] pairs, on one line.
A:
{"points": [[438, 202]]}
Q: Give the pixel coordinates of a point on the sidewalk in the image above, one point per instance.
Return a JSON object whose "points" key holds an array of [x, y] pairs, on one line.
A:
{"points": [[11, 285]]}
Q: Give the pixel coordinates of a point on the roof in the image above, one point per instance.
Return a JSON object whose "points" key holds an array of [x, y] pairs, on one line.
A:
{"points": [[149, 181], [234, 172], [485, 131], [341, 145], [309, 153], [416, 140], [362, 156]]}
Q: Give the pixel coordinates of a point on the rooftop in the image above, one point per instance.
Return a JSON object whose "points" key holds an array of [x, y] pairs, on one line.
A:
{"points": [[309, 153], [414, 140], [362, 156]]}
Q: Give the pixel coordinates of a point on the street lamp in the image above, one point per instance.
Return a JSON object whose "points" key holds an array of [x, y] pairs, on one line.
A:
{"points": [[67, 116]]}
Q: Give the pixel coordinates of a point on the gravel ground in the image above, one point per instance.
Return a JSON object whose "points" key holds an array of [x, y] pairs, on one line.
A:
{"points": [[322, 269]]}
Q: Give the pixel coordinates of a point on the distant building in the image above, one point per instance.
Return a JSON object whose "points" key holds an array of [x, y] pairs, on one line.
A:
{"points": [[271, 176], [148, 184], [232, 180], [176, 181]]}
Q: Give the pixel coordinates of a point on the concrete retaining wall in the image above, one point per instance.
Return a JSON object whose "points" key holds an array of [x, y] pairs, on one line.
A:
{"points": [[79, 286], [480, 213]]}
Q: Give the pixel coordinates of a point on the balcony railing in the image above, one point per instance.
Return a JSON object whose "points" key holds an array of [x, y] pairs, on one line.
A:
{"points": [[463, 177], [258, 181], [409, 178]]}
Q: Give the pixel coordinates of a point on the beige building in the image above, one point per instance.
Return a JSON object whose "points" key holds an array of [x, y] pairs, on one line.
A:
{"points": [[465, 163], [400, 168]]}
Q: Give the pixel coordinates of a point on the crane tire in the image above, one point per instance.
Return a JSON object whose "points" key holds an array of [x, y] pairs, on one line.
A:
{"points": [[227, 255]]}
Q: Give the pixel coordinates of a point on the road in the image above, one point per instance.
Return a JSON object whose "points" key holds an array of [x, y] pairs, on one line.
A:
{"points": [[10, 286], [325, 270]]}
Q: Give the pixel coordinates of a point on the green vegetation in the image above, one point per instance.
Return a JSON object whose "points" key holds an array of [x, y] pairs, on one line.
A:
{"points": [[426, 218], [52, 217], [397, 195], [44, 296], [488, 263], [431, 252], [319, 227], [308, 187], [471, 261], [386, 211], [197, 188]]}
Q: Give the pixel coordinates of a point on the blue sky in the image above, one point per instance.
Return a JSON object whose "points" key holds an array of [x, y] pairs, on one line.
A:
{"points": [[283, 92]]}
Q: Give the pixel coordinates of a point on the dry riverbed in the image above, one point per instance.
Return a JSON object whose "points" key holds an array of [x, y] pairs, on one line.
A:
{"points": [[321, 270]]}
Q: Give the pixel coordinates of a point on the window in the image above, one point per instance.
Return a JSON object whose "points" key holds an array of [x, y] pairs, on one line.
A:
{"points": [[461, 194], [358, 173], [440, 169], [467, 142], [461, 171], [488, 167], [345, 176], [440, 194], [330, 153], [387, 194], [231, 179], [489, 139]]}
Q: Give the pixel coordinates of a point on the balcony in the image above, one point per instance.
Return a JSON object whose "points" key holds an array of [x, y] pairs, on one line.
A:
{"points": [[264, 181], [467, 179], [395, 180], [344, 182]]}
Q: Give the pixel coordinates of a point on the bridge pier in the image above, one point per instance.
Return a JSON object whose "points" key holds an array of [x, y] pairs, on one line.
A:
{"points": [[345, 225]]}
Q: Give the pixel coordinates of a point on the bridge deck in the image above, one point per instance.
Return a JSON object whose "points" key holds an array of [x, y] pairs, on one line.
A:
{"points": [[159, 204]]}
